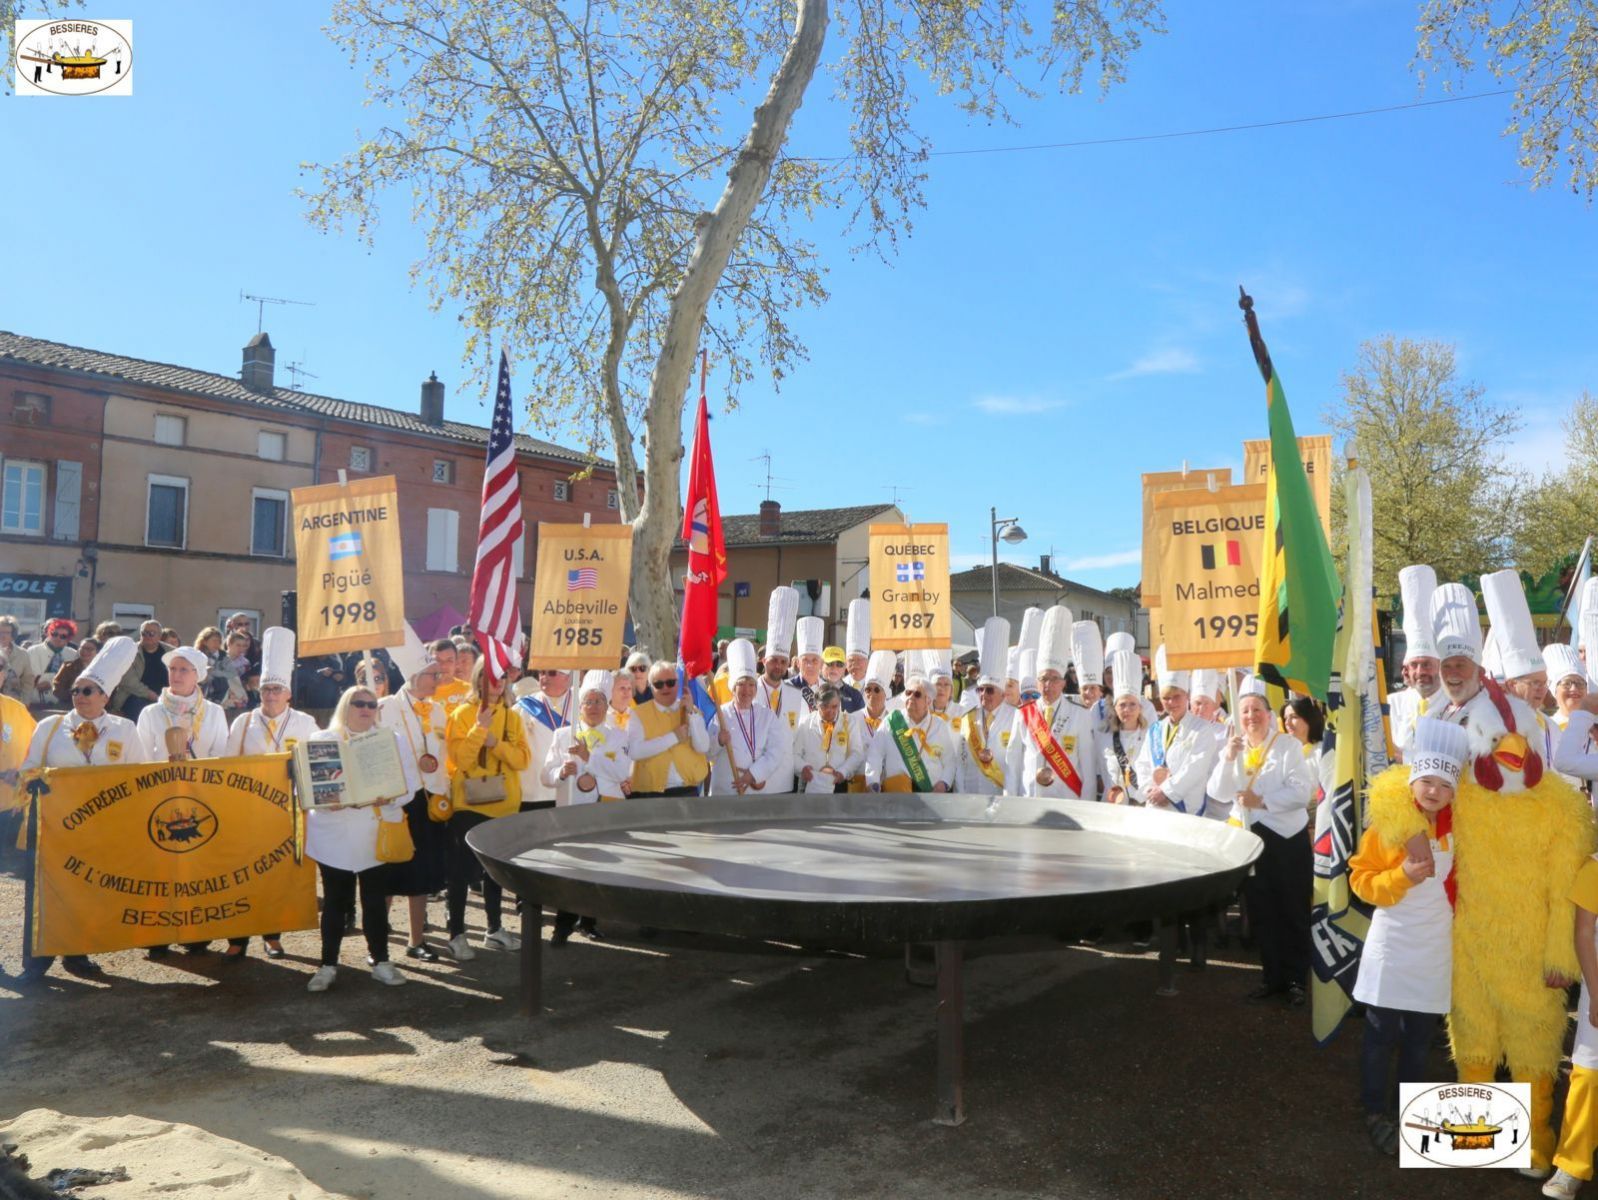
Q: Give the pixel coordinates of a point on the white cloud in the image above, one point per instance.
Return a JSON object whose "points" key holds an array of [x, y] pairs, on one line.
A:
{"points": [[1171, 360], [1013, 406], [1099, 562]]}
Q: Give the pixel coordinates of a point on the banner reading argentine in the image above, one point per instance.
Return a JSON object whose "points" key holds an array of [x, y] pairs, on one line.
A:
{"points": [[351, 585], [145, 854]]}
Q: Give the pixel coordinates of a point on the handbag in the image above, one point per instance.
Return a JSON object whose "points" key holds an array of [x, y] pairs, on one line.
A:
{"points": [[394, 843], [487, 789], [439, 807]]}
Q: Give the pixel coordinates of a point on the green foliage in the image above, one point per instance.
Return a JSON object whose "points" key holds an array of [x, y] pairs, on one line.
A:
{"points": [[1556, 512], [1548, 49]]}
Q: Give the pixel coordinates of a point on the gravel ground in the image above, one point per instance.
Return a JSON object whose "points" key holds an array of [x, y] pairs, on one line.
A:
{"points": [[708, 1067]]}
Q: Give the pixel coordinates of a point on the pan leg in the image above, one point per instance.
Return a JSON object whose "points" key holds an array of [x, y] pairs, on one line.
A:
{"points": [[951, 1034], [532, 996]]}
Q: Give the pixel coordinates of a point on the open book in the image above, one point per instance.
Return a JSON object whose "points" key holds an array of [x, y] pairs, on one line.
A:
{"points": [[364, 770]]}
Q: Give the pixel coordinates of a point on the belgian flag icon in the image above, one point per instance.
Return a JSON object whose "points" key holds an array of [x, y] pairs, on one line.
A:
{"points": [[1234, 554]]}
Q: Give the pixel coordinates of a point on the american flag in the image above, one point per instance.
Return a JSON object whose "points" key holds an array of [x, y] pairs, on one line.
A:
{"points": [[583, 579], [495, 616]]}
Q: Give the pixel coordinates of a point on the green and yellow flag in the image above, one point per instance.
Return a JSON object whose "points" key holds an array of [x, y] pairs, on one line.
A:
{"points": [[1299, 589]]}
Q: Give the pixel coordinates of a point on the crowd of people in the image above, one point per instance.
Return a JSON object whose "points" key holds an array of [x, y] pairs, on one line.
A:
{"points": [[1057, 712]]}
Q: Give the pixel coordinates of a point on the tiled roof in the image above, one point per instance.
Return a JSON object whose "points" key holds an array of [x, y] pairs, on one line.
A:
{"points": [[800, 525], [980, 579], [37, 352]]}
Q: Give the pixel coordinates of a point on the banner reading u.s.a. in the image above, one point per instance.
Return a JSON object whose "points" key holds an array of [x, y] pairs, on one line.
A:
{"points": [[351, 579], [145, 854], [580, 595], [1209, 553]]}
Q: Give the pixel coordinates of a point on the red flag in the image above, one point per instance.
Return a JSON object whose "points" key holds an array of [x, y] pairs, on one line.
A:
{"points": [[707, 551], [495, 615]]}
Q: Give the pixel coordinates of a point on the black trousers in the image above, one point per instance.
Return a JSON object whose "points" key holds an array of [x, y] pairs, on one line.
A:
{"points": [[1278, 895], [1412, 1033], [692, 790], [338, 897], [464, 869]]}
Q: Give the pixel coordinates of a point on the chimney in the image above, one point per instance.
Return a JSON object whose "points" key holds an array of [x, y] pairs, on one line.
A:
{"points": [[1044, 564], [258, 359], [433, 400], [770, 518]]}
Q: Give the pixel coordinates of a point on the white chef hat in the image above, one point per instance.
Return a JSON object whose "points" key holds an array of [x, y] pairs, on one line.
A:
{"points": [[106, 669], [1437, 751], [1027, 668], [1455, 622], [1054, 640], [1491, 660], [1126, 671], [938, 664], [1562, 661], [1415, 586], [1180, 680], [812, 634], [993, 652], [1513, 631], [741, 660], [857, 631], [1031, 628], [781, 614], [879, 669], [277, 657], [1087, 652], [1012, 663], [1206, 682], [1587, 621], [195, 658], [596, 681], [1119, 640], [1250, 685]]}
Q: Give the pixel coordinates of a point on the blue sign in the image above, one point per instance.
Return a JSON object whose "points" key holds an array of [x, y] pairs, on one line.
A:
{"points": [[740, 591]]}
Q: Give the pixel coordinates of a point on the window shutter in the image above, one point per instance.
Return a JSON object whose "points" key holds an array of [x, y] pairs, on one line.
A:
{"points": [[68, 499]]}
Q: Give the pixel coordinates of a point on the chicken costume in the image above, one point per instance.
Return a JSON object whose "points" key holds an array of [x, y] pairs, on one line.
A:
{"points": [[1520, 835]]}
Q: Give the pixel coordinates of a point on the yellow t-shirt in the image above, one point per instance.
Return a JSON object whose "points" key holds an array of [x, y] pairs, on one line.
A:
{"points": [[1584, 891]]}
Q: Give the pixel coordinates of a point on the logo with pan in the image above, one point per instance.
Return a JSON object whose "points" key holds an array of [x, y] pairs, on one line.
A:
{"points": [[73, 58], [180, 824], [1464, 1125]]}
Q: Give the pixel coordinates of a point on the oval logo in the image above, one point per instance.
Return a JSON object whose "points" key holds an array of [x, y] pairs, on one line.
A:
{"points": [[180, 824], [74, 58], [1467, 1125]]}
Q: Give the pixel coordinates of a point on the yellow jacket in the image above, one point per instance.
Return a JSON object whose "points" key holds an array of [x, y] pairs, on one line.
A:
{"points": [[469, 758]]}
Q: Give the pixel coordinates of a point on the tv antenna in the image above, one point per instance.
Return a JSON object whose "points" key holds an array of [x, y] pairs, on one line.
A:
{"points": [[896, 488], [773, 482], [295, 370], [261, 302]]}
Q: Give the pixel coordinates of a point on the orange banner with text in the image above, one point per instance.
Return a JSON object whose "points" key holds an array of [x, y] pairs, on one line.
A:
{"points": [[909, 573], [1316, 451], [351, 579], [1210, 545], [580, 595], [1154, 483]]}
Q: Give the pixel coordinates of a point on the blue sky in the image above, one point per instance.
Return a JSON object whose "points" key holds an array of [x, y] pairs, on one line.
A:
{"points": [[1059, 322]]}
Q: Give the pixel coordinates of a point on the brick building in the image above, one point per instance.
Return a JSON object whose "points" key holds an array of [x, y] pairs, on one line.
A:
{"points": [[134, 487]]}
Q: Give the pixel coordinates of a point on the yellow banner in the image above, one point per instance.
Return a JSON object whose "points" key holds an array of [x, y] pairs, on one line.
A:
{"points": [[1316, 451], [1155, 482], [351, 578], [580, 595], [909, 572], [144, 854], [1209, 546], [16, 731]]}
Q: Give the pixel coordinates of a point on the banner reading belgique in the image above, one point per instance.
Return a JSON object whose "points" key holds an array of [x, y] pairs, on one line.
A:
{"points": [[1209, 552], [145, 854], [580, 595], [909, 573], [351, 578], [1155, 482]]}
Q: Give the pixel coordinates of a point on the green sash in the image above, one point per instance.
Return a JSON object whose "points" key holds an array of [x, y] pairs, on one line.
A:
{"points": [[904, 741]]}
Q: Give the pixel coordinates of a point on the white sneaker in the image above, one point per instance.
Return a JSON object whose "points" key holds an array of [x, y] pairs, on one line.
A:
{"points": [[1534, 1172], [322, 980], [1563, 1186], [501, 939], [384, 972], [461, 949]]}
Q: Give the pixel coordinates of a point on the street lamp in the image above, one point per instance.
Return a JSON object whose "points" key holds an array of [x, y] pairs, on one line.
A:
{"points": [[1010, 530]]}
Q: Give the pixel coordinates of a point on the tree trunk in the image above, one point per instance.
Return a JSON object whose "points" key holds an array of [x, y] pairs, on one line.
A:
{"points": [[660, 517]]}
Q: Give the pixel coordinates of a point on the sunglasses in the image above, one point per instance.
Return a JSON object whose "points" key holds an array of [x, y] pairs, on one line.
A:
{"points": [[85, 691], [663, 685], [987, 689], [915, 695], [363, 703], [544, 673], [635, 670]]}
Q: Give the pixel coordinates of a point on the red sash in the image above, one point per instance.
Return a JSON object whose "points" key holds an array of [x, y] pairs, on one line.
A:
{"points": [[1043, 737]]}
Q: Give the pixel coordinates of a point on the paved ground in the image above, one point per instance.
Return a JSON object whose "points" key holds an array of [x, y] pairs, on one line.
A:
{"points": [[712, 1068]]}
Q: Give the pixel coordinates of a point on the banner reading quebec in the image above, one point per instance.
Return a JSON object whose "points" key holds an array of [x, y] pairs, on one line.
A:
{"points": [[147, 854]]}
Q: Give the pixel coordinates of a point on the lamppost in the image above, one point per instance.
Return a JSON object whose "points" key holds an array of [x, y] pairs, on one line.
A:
{"points": [[1012, 533]]}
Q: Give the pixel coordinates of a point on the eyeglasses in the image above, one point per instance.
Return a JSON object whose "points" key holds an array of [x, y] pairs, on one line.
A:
{"points": [[987, 689], [85, 691], [663, 685], [363, 703]]}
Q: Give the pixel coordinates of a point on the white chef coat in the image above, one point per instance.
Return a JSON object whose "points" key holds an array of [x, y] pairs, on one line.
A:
{"points": [[995, 730], [398, 712], [844, 752], [933, 739], [1136, 787], [208, 738], [1189, 757], [759, 743], [1285, 782], [1072, 726], [52, 745], [608, 762]]}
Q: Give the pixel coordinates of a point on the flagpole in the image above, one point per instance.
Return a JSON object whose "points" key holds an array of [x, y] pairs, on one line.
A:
{"points": [[1256, 341]]}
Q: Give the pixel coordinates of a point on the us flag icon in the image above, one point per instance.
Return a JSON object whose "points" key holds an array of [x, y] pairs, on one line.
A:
{"points": [[582, 580], [1234, 554]]}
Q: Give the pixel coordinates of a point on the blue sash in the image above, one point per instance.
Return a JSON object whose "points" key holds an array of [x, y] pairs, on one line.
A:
{"points": [[541, 711]]}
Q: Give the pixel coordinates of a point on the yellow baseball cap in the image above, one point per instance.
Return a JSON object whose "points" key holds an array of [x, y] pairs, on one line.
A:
{"points": [[834, 654]]}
